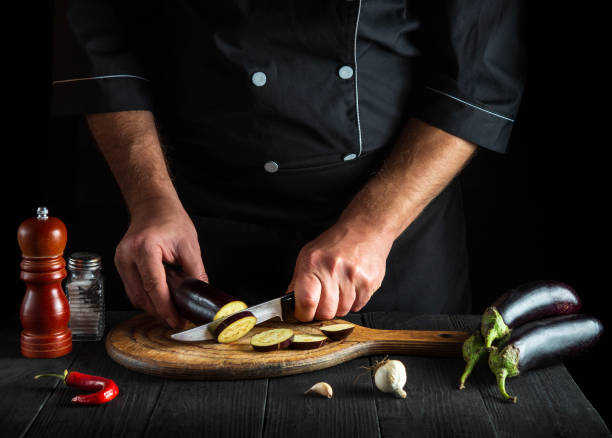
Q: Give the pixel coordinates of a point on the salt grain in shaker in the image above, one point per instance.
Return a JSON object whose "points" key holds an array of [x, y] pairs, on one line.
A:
{"points": [[85, 291]]}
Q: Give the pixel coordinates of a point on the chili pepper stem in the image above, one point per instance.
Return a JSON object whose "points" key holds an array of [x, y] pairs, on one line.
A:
{"points": [[59, 376]]}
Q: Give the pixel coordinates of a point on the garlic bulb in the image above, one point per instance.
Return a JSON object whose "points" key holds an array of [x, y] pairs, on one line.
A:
{"points": [[390, 376], [322, 388]]}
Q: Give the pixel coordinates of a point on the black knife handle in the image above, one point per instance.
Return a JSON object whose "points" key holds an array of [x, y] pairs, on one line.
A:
{"points": [[288, 305]]}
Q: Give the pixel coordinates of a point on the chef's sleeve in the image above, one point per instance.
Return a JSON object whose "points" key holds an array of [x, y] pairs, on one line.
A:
{"points": [[474, 63], [96, 67]]}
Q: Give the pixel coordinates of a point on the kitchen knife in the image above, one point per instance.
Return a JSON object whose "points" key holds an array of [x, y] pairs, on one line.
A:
{"points": [[282, 307]]}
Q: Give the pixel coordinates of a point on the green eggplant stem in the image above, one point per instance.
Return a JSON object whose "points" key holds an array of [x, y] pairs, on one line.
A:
{"points": [[473, 351], [501, 384], [492, 326], [504, 363]]}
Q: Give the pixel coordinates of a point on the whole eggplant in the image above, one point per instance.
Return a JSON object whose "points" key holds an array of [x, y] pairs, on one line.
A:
{"points": [[527, 302], [541, 343]]}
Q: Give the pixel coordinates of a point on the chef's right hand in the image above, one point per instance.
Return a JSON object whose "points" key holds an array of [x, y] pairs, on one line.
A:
{"points": [[160, 231]]}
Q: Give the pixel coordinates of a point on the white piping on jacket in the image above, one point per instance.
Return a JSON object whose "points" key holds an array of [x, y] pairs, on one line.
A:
{"points": [[356, 87], [469, 104], [65, 81]]}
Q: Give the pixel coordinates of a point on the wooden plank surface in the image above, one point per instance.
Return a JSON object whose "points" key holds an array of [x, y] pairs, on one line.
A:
{"points": [[550, 403], [127, 415], [434, 406], [23, 397], [350, 412], [208, 409]]}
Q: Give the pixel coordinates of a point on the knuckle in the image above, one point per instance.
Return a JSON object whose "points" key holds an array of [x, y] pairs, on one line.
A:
{"points": [[351, 272], [370, 284], [148, 246], [309, 301], [149, 284], [333, 262], [310, 258]]}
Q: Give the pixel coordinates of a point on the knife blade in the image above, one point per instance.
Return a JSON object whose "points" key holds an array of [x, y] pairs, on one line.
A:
{"points": [[282, 307]]}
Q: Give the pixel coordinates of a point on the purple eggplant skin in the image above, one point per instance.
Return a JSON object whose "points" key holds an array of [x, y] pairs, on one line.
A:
{"points": [[527, 302], [194, 299], [541, 343]]}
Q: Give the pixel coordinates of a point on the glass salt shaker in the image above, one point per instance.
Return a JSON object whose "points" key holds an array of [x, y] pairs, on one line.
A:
{"points": [[85, 291]]}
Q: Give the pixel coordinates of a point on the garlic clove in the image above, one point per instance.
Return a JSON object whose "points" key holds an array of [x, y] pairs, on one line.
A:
{"points": [[322, 388]]}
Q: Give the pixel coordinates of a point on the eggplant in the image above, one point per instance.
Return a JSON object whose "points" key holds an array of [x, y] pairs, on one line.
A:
{"points": [[235, 326], [337, 332], [198, 301], [270, 340], [528, 302], [540, 343], [307, 342]]}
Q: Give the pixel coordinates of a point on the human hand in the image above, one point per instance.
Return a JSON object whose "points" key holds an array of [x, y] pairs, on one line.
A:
{"points": [[160, 231], [338, 272]]}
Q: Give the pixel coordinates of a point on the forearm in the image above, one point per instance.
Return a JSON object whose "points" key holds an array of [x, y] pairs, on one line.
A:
{"points": [[160, 230], [423, 162], [130, 144]]}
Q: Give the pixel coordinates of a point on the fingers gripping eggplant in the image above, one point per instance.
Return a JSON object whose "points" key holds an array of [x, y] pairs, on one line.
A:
{"points": [[542, 343], [525, 303], [198, 301]]}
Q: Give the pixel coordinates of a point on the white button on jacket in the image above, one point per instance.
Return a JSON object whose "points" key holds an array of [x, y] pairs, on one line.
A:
{"points": [[259, 79], [345, 72]]}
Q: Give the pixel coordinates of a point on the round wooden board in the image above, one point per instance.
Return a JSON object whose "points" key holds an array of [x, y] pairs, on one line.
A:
{"points": [[143, 344]]}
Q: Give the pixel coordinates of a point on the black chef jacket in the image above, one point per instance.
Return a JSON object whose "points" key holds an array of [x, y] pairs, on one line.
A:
{"points": [[275, 113]]}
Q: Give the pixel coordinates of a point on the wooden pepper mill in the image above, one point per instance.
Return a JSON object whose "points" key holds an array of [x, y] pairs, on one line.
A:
{"points": [[45, 312]]}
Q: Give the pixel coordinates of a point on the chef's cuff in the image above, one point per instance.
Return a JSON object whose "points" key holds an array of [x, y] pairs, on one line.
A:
{"points": [[465, 119], [101, 95]]}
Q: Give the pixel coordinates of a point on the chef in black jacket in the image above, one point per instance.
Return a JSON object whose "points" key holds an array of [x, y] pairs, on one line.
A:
{"points": [[294, 145]]}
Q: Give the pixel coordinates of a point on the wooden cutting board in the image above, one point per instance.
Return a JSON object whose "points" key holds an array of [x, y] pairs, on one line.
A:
{"points": [[143, 344]]}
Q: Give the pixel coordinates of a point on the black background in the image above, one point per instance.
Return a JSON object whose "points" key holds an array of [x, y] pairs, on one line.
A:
{"points": [[539, 212]]}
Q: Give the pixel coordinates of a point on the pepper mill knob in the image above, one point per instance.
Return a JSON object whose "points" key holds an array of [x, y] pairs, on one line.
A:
{"points": [[45, 312]]}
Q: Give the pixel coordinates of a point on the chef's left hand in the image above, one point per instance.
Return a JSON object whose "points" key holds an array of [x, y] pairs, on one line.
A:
{"points": [[338, 272]]}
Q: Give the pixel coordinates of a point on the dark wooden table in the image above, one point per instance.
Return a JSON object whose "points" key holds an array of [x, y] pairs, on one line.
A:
{"points": [[549, 401]]}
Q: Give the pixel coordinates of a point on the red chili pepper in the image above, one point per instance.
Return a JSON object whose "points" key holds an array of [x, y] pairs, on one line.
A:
{"points": [[106, 389]]}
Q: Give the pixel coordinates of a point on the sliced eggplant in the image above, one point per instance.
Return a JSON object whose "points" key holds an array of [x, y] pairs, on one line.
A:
{"points": [[541, 343], [235, 327], [198, 301], [528, 302], [336, 332], [307, 342], [270, 340]]}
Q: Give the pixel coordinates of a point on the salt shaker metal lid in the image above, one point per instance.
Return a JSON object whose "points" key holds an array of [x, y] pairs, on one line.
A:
{"points": [[83, 260]]}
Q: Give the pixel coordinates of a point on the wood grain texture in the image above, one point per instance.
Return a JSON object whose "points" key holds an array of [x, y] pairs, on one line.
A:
{"points": [[434, 406], [125, 416], [23, 397], [143, 344], [45, 312], [351, 412], [550, 404]]}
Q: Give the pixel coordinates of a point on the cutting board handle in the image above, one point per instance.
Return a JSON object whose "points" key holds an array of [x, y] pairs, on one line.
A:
{"points": [[419, 342]]}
